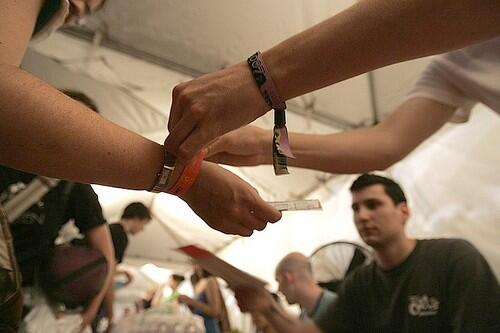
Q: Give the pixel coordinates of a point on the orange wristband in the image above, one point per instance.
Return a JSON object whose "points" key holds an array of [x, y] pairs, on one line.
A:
{"points": [[188, 175]]}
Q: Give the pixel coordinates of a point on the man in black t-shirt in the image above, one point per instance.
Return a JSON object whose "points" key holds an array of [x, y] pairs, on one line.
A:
{"points": [[134, 218], [438, 285], [35, 231]]}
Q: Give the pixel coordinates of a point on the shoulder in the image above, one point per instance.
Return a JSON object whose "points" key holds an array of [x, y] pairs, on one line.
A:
{"points": [[456, 245], [362, 273], [449, 251], [117, 232], [355, 280], [116, 228], [82, 188], [83, 194]]}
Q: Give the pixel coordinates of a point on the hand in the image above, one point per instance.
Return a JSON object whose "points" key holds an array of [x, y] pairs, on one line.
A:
{"points": [[228, 204], [210, 106], [246, 146], [183, 299], [253, 299]]}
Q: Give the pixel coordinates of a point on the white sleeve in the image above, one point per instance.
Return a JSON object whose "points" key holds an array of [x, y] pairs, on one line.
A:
{"points": [[437, 83]]}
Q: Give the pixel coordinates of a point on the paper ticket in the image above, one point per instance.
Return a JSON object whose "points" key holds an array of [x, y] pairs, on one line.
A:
{"points": [[296, 205]]}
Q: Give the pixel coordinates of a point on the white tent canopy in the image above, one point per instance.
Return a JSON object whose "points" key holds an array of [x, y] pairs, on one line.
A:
{"points": [[451, 180]]}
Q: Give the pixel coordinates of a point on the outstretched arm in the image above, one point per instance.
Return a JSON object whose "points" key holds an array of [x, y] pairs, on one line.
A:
{"points": [[42, 131], [354, 151], [369, 35]]}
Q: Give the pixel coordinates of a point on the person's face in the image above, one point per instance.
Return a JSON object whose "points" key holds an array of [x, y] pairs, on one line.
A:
{"points": [[78, 9], [138, 226], [377, 219], [286, 286]]}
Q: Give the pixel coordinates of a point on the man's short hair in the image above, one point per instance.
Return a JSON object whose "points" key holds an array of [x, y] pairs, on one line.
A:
{"points": [[136, 210], [82, 98], [296, 263], [391, 188], [177, 278]]}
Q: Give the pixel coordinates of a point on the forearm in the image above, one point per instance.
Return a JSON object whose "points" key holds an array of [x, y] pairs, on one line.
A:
{"points": [[353, 151], [66, 140], [375, 33], [367, 149], [109, 299], [99, 238]]}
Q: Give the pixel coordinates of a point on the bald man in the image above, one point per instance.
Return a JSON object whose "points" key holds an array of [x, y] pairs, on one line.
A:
{"points": [[296, 282]]}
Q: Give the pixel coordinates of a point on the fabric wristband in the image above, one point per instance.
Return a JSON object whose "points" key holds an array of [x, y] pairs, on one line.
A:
{"points": [[188, 175], [281, 145]]}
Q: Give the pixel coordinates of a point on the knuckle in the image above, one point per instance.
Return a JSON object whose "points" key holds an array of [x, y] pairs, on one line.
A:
{"points": [[197, 111], [183, 98], [177, 90]]}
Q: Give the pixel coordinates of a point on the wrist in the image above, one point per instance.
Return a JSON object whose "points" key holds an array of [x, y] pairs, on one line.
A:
{"points": [[260, 107], [198, 182], [174, 176], [188, 175]]}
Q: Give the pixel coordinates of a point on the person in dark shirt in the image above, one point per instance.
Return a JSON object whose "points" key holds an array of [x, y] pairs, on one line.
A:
{"points": [[432, 285], [134, 218], [36, 230]]}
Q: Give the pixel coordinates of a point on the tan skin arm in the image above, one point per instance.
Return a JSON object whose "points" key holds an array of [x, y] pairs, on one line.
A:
{"points": [[375, 33], [109, 155], [109, 297], [378, 147], [369, 35], [99, 238], [354, 151], [44, 132]]}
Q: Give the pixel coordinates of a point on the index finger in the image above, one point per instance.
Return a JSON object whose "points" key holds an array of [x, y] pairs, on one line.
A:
{"points": [[175, 113], [266, 211], [179, 133]]}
